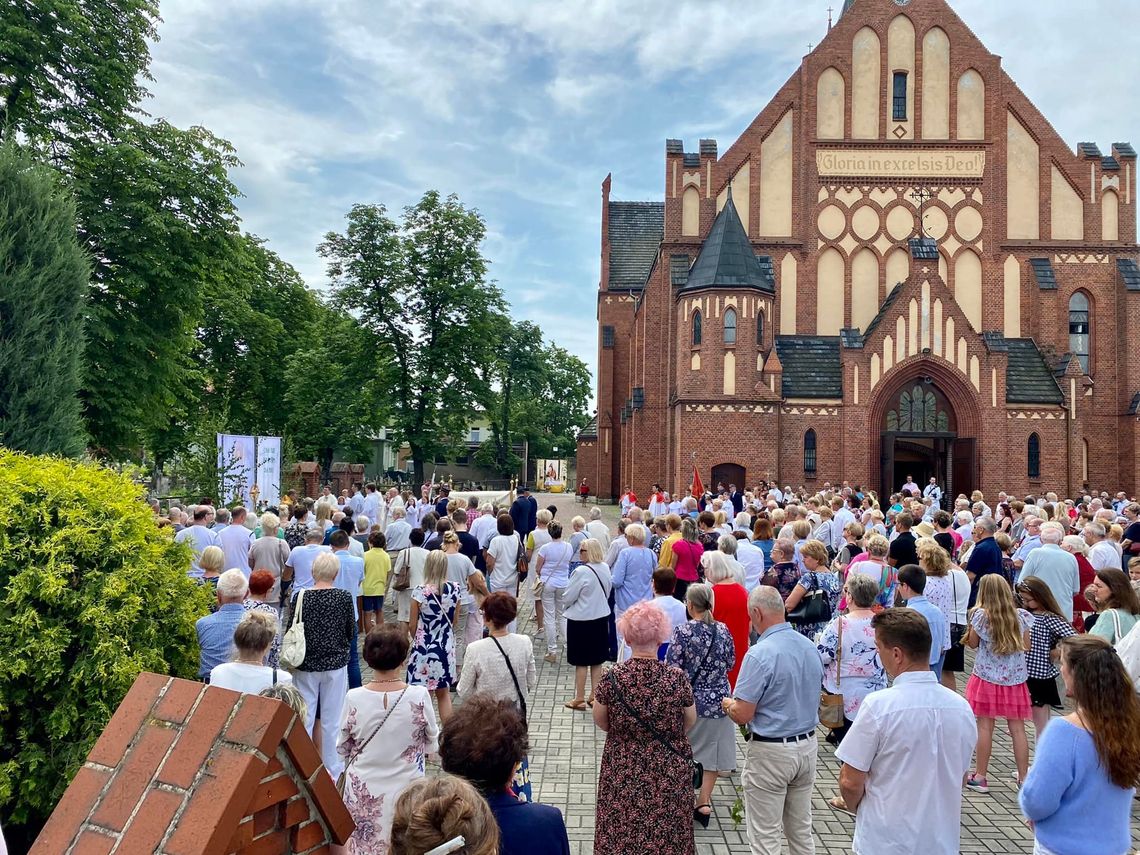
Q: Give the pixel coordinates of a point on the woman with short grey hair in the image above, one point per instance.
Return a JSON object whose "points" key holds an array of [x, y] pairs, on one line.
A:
{"points": [[730, 605], [704, 650], [851, 665]]}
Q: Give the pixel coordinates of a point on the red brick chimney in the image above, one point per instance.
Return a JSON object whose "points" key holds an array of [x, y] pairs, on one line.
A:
{"points": [[187, 769]]}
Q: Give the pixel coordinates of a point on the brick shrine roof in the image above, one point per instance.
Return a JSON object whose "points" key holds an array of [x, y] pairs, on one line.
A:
{"points": [[636, 230], [184, 768], [727, 259]]}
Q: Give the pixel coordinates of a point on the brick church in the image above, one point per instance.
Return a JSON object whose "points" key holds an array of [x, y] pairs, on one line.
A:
{"points": [[899, 268]]}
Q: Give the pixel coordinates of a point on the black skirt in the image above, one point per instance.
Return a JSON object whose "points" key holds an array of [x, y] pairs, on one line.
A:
{"points": [[1043, 692], [588, 641]]}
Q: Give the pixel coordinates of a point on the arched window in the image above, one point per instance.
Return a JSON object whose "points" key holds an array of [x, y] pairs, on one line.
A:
{"points": [[1034, 456], [730, 326], [696, 328], [809, 453], [759, 329], [1079, 334]]}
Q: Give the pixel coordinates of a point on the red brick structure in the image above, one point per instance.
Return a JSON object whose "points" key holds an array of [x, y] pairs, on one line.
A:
{"points": [[898, 268], [187, 769]]}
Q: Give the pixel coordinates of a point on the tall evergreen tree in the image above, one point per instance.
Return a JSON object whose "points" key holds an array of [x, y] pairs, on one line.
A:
{"points": [[43, 287]]}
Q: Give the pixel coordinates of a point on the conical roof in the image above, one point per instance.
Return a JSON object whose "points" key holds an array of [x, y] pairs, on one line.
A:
{"points": [[727, 259]]}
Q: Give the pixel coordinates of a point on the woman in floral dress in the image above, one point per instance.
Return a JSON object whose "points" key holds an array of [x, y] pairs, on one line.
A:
{"points": [[432, 662], [817, 576], [386, 730]]}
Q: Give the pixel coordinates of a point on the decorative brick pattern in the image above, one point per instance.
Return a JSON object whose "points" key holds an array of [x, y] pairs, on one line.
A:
{"points": [[187, 769]]}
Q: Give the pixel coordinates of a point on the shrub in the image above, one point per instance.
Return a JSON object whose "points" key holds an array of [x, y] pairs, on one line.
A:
{"points": [[91, 593]]}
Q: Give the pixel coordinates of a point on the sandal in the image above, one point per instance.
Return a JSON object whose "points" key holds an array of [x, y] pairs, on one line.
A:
{"points": [[575, 705], [590, 702], [840, 805], [702, 818]]}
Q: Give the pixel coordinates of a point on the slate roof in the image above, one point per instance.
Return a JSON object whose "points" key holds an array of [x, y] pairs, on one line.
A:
{"points": [[590, 431], [924, 249], [887, 303], [635, 232], [1088, 149], [1129, 272], [1124, 149], [678, 269], [1043, 273], [1134, 407], [1110, 164], [811, 366], [727, 259], [1028, 379]]}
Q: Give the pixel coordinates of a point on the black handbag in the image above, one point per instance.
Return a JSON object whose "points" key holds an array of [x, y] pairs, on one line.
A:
{"points": [[813, 608], [698, 769]]}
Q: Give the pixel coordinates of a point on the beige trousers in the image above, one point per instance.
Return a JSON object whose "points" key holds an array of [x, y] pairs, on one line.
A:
{"points": [[778, 779]]}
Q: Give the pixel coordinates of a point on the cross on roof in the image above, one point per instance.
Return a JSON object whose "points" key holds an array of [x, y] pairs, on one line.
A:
{"points": [[922, 195]]}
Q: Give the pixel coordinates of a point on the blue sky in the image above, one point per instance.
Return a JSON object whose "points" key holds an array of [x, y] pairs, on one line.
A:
{"points": [[522, 108]]}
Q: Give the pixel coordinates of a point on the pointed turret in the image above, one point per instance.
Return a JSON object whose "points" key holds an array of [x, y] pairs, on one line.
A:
{"points": [[727, 259]]}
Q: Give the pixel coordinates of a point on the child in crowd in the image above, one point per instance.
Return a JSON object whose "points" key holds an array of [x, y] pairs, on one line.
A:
{"points": [[1000, 632], [1049, 627]]}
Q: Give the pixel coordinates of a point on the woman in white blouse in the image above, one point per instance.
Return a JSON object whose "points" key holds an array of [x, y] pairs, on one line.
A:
{"points": [[553, 570], [502, 557], [586, 607], [248, 672], [502, 666]]}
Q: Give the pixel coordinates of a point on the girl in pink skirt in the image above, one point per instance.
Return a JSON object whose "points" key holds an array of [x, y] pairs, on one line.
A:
{"points": [[999, 631]]}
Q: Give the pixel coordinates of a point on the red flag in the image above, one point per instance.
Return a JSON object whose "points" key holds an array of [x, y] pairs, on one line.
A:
{"points": [[697, 488]]}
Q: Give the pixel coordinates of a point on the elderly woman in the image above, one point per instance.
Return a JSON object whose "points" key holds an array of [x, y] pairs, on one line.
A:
{"points": [[586, 603], [705, 650], [270, 552], [502, 666], [377, 770], [876, 566], [728, 545], [260, 585], [633, 573], [816, 577], [577, 533], [783, 573], [330, 630], [646, 707], [248, 672], [434, 811], [851, 665], [486, 743], [730, 606], [213, 562], [1075, 545]]}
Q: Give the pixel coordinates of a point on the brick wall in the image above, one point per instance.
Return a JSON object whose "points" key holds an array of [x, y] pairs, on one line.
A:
{"points": [[186, 769]]}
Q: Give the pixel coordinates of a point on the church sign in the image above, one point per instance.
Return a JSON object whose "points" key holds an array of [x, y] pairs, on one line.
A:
{"points": [[891, 163]]}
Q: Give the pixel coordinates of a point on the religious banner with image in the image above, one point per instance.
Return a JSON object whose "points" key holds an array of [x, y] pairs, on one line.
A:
{"points": [[553, 475], [268, 469], [237, 462]]}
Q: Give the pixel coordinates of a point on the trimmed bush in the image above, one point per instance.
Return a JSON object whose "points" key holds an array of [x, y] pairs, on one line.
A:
{"points": [[91, 593]]}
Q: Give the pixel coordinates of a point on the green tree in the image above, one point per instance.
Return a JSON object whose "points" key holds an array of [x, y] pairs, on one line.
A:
{"points": [[156, 209], [72, 70], [91, 593], [420, 289], [43, 287]]}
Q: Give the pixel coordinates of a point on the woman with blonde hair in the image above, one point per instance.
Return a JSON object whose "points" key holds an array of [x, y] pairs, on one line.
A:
{"points": [[1000, 632], [875, 565], [816, 576], [1087, 763], [212, 561], [432, 661], [586, 603], [433, 812]]}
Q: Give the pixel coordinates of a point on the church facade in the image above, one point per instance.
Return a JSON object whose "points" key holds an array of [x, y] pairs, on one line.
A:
{"points": [[899, 268]]}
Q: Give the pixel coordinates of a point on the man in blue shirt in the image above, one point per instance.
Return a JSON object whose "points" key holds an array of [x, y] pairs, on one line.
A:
{"points": [[351, 579], [912, 584], [216, 631], [986, 555], [777, 696]]}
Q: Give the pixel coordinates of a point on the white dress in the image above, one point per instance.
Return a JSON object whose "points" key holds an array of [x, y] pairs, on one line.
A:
{"points": [[376, 777]]}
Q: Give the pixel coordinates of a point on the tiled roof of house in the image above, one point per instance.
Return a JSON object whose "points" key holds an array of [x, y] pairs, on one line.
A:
{"points": [[1129, 272], [1043, 273], [635, 232], [590, 431], [1028, 379], [811, 366]]}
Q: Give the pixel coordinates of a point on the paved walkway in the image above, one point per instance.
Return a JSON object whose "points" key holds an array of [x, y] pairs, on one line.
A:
{"points": [[566, 752]]}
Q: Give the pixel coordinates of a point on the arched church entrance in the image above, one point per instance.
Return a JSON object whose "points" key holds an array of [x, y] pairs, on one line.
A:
{"points": [[727, 474], [926, 431]]}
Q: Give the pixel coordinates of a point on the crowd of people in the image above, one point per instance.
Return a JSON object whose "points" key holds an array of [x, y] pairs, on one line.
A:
{"points": [[698, 628]]}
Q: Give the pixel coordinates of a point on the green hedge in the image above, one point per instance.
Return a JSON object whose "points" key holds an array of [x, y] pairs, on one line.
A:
{"points": [[91, 593]]}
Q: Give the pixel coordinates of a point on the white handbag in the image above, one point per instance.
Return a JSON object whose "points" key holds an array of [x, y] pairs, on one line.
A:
{"points": [[293, 642], [1128, 649]]}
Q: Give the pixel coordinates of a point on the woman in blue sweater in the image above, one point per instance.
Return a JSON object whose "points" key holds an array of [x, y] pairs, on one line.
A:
{"points": [[1088, 762]]}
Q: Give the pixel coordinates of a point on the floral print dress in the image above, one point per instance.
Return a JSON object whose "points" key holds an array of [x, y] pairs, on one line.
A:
{"points": [[862, 670], [432, 660], [376, 776]]}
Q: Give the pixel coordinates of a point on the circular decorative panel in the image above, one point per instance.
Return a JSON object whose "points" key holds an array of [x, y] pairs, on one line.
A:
{"points": [[935, 223], [865, 222], [900, 223], [968, 224], [831, 222]]}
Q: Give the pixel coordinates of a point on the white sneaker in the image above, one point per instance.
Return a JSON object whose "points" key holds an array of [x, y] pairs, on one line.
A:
{"points": [[540, 635]]}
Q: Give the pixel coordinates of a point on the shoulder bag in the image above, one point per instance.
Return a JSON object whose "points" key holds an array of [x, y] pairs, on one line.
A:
{"points": [[957, 630], [514, 678], [340, 781], [708, 653], [813, 608], [698, 769], [521, 564], [402, 579], [1128, 649], [293, 642], [831, 705]]}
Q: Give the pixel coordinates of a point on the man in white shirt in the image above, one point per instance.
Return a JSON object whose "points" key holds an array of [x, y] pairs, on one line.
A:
{"points": [[235, 540], [842, 516], [664, 584], [752, 557], [399, 530], [372, 500], [906, 755], [357, 500], [933, 492], [199, 536], [1102, 554], [597, 529], [301, 558]]}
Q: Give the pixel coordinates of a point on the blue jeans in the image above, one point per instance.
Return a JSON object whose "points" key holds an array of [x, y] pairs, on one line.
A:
{"points": [[354, 680], [936, 667]]}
